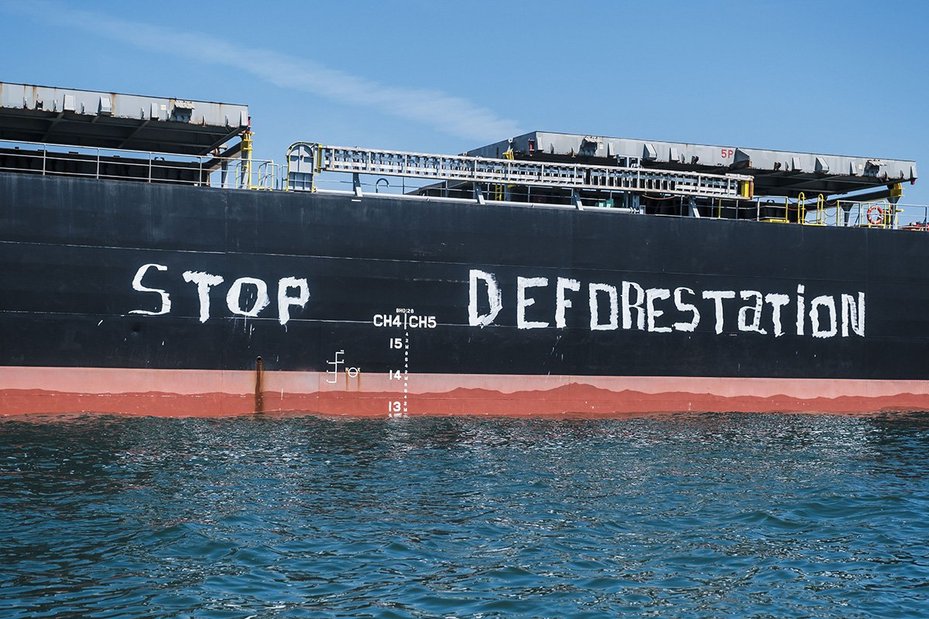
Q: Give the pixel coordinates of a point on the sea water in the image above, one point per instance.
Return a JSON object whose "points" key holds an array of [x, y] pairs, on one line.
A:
{"points": [[688, 515]]}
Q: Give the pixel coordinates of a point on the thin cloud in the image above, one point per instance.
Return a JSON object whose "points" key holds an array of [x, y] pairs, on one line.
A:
{"points": [[441, 111]]}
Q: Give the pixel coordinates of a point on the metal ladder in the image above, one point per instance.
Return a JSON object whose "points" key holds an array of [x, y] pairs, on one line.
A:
{"points": [[305, 159]]}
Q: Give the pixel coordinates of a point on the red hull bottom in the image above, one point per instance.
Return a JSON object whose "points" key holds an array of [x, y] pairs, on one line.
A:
{"points": [[214, 393]]}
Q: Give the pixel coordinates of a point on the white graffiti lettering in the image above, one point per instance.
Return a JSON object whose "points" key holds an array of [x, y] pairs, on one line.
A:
{"points": [[284, 300], [777, 300], [562, 303], [827, 303], [234, 296], [523, 302], [247, 296], [137, 285], [853, 314], [628, 305], [204, 282], [683, 306], [494, 298], [753, 309], [717, 296], [652, 295], [595, 324]]}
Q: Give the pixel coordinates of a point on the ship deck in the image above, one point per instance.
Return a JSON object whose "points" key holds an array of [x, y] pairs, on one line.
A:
{"points": [[105, 135]]}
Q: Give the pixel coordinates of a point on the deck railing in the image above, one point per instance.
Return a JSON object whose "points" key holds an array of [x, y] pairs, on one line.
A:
{"points": [[145, 166], [261, 174]]}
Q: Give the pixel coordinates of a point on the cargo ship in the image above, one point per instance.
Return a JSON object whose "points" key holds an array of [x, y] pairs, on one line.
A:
{"points": [[149, 264]]}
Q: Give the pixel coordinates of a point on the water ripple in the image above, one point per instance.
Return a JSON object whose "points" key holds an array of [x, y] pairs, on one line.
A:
{"points": [[684, 516]]}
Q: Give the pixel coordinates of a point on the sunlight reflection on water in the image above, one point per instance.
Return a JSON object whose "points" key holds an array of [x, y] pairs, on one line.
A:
{"points": [[683, 515]]}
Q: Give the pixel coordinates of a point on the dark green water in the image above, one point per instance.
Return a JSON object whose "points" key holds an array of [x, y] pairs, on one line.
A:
{"points": [[675, 516]]}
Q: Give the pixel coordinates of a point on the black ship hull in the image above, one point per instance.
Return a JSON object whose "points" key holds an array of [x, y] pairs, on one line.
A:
{"points": [[156, 299]]}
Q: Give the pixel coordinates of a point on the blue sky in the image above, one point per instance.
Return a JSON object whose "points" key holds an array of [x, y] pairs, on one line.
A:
{"points": [[835, 77]]}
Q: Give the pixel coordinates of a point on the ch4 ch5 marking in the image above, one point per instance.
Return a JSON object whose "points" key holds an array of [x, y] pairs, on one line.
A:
{"points": [[403, 320]]}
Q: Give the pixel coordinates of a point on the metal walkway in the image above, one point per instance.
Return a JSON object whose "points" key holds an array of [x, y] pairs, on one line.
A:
{"points": [[305, 159]]}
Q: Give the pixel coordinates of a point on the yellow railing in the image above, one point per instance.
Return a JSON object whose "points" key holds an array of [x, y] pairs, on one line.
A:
{"points": [[849, 213], [780, 220], [819, 218]]}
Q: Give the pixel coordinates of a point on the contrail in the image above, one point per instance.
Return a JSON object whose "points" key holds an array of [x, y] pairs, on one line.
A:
{"points": [[443, 112]]}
